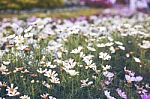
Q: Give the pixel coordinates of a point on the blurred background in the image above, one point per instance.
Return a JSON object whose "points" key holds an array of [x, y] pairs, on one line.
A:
{"points": [[43, 8]]}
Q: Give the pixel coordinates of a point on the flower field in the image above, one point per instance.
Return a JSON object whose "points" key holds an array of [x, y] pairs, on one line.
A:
{"points": [[92, 57]]}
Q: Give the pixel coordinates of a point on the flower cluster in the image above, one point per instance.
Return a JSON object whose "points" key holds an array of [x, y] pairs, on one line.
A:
{"points": [[87, 58]]}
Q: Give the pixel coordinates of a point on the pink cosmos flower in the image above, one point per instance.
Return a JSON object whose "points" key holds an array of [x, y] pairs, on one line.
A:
{"points": [[146, 96], [121, 93]]}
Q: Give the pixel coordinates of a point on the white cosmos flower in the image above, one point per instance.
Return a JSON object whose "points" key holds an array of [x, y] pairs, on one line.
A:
{"points": [[50, 73], [1, 53], [86, 83], [108, 74], [107, 94], [6, 62], [104, 56], [21, 47], [46, 85], [119, 43], [3, 69], [58, 61], [105, 68], [27, 35], [110, 38], [145, 44], [82, 55], [51, 97], [69, 64], [127, 55], [3, 84], [11, 91], [19, 39], [55, 80], [101, 45], [72, 72], [32, 81], [77, 50], [59, 54], [24, 97], [88, 57], [91, 48], [48, 64], [11, 36], [90, 64], [44, 96], [137, 59], [109, 44], [122, 47], [28, 29], [112, 49]]}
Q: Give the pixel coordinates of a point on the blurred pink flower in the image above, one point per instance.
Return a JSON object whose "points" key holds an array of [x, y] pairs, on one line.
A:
{"points": [[121, 93], [146, 96]]}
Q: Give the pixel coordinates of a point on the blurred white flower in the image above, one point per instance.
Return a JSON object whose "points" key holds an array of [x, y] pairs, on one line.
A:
{"points": [[3, 69], [48, 64], [137, 59], [24, 97], [105, 68], [19, 39], [27, 35], [28, 29], [51, 97], [77, 50], [104, 56], [44, 96], [88, 57], [119, 43], [91, 48], [109, 44], [107, 94], [127, 55], [82, 55], [86, 83], [59, 54], [108, 74], [145, 44], [122, 47], [3, 84], [112, 49], [101, 45], [41, 71], [47, 85], [90, 64], [69, 64], [32, 81], [72, 72], [50, 73], [6, 62], [55, 80]]}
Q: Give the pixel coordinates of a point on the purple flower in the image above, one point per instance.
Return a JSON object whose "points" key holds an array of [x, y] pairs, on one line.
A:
{"points": [[146, 96]]}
